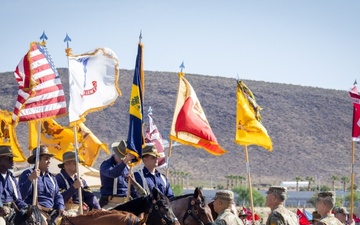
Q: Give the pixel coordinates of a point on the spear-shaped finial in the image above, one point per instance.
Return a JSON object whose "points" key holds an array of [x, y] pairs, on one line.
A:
{"points": [[43, 37], [140, 36], [182, 66], [67, 40], [150, 111], [355, 83]]}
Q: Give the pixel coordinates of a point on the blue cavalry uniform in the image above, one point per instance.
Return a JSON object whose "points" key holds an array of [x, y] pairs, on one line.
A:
{"points": [[9, 189], [48, 194], [71, 195], [150, 180], [111, 172]]}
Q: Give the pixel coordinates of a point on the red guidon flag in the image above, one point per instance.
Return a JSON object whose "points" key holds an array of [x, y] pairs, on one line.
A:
{"points": [[356, 113], [40, 93], [189, 125], [302, 218]]}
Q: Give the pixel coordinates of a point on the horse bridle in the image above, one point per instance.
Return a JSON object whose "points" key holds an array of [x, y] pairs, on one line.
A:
{"points": [[191, 208], [155, 210]]}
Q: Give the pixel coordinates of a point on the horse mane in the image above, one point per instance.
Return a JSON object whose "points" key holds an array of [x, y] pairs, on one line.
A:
{"points": [[181, 197], [135, 206]]}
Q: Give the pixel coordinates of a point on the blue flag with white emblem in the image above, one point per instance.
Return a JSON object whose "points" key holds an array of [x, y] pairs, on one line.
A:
{"points": [[135, 140]]}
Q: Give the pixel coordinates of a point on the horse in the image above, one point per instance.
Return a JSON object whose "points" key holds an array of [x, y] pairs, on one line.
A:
{"points": [[154, 207], [32, 216], [100, 217], [191, 209], [29, 216]]}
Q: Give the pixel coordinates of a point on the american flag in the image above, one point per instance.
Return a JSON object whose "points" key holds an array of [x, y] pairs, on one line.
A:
{"points": [[40, 93]]}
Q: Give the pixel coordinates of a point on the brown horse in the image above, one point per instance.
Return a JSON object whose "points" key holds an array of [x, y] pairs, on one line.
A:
{"points": [[99, 217], [191, 209], [155, 209]]}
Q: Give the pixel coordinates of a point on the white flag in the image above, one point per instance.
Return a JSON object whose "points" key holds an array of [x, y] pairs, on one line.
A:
{"points": [[93, 82]]}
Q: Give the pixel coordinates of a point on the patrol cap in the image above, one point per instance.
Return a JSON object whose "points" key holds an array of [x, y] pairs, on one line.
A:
{"points": [[150, 150], [43, 151], [6, 151], [225, 195], [326, 196], [341, 210], [278, 191], [67, 157], [119, 148]]}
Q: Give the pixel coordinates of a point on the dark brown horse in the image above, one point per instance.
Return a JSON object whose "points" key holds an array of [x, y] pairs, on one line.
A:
{"points": [[154, 208], [100, 217], [191, 209], [29, 216]]}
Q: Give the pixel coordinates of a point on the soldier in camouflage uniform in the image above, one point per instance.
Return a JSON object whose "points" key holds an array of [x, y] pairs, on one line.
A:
{"points": [[223, 202], [343, 215], [325, 203], [279, 214]]}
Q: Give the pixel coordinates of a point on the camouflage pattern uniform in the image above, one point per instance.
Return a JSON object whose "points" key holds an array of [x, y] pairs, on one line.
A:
{"points": [[281, 216], [228, 218], [329, 219]]}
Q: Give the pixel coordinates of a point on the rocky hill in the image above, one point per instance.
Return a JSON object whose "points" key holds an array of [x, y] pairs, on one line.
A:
{"points": [[310, 127]]}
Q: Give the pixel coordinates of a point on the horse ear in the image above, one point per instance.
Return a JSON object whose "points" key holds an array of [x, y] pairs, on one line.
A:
{"points": [[196, 193], [155, 193]]}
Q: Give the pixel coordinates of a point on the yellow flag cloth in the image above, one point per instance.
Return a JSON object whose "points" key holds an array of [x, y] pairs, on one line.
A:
{"points": [[60, 139], [8, 135], [249, 130]]}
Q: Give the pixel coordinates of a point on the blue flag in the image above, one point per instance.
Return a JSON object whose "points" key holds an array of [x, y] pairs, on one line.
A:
{"points": [[135, 140]]}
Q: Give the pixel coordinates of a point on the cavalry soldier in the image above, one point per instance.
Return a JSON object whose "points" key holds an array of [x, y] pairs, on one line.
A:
{"points": [[49, 199], [113, 176], [149, 177], [223, 202], [279, 215], [69, 185], [9, 188], [325, 203]]}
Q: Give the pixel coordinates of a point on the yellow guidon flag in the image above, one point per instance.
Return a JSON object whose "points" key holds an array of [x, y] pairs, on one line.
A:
{"points": [[249, 130], [60, 139], [8, 135]]}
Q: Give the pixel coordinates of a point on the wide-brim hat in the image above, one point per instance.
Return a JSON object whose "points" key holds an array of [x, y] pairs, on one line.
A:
{"points": [[315, 216], [6, 151], [119, 148], [150, 150], [43, 151], [67, 157]]}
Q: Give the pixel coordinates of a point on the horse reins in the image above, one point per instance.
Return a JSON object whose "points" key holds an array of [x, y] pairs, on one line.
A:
{"points": [[189, 211]]}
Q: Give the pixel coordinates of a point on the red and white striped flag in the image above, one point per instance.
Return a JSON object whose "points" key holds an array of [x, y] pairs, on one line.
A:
{"points": [[152, 135], [40, 93]]}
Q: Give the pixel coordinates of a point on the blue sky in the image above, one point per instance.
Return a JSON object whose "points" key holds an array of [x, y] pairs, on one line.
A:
{"points": [[308, 42]]}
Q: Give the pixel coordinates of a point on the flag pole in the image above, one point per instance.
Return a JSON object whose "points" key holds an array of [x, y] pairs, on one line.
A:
{"points": [[182, 66], [37, 158], [168, 159], [249, 182], [352, 182], [129, 184], [68, 53], [77, 170]]}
